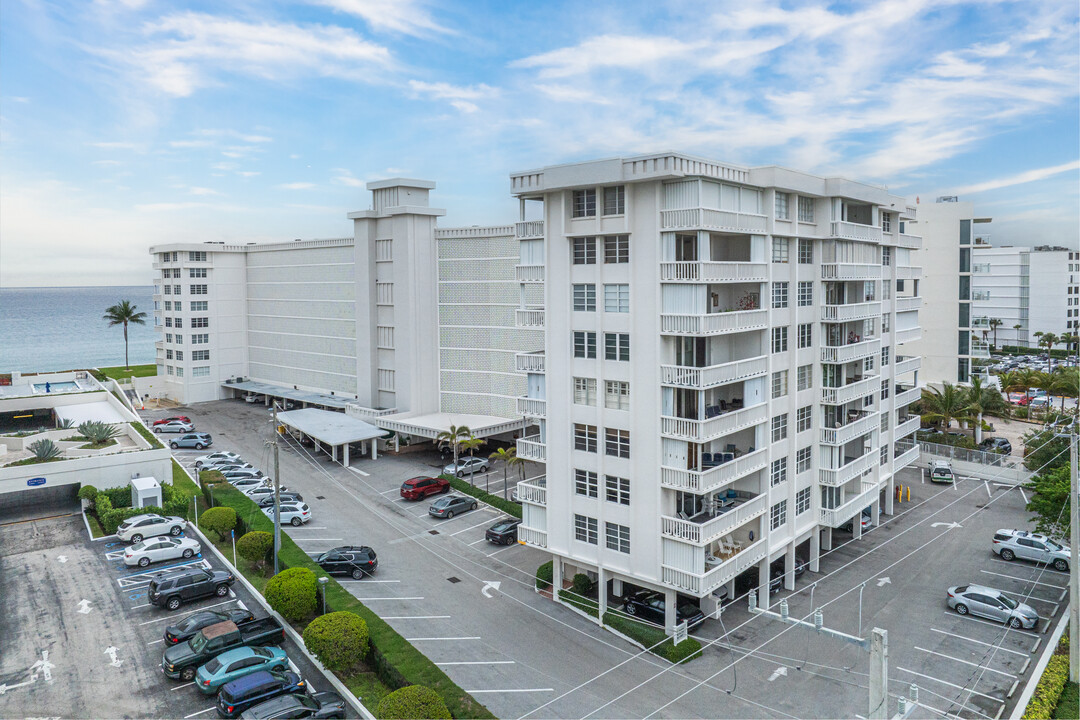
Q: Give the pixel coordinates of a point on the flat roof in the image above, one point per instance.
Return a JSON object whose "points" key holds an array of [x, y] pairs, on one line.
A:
{"points": [[327, 426], [281, 391], [101, 411], [431, 425]]}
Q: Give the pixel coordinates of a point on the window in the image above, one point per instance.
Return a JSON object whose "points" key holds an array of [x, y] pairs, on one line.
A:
{"points": [[886, 256], [886, 290], [806, 252], [868, 364], [802, 501], [197, 290], [779, 295], [779, 339], [617, 346], [180, 339], [179, 354], [584, 203], [615, 200], [200, 322], [616, 395], [168, 369], [885, 323], [196, 272], [778, 514], [617, 443], [585, 483], [168, 289], [805, 377], [384, 336], [779, 384], [168, 305], [201, 371], [806, 294], [200, 339], [883, 457], [618, 537], [584, 344], [168, 354], [178, 306], [584, 391], [584, 250], [806, 209], [616, 298], [176, 288], [778, 471], [585, 529], [168, 322], [200, 354], [780, 250], [179, 370], [779, 427], [884, 356], [806, 335], [802, 460], [168, 337], [585, 437], [616, 249], [782, 206], [178, 322], [199, 306], [617, 489], [585, 298], [196, 256], [886, 226], [884, 389]]}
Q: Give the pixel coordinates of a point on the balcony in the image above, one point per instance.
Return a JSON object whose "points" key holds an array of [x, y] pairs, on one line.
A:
{"points": [[980, 322], [908, 303], [529, 318], [531, 536], [857, 388], [856, 231], [714, 323], [532, 407], [530, 362], [906, 428], [906, 458], [713, 272], [711, 219], [908, 272], [704, 583], [529, 230], [979, 349], [716, 477], [851, 311], [906, 364], [850, 352], [835, 477], [534, 491], [835, 516], [908, 335], [531, 448], [713, 375], [913, 242], [905, 395], [702, 529], [715, 427], [850, 271], [529, 273], [859, 423]]}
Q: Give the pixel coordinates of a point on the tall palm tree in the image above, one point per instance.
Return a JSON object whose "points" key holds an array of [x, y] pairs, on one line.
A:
{"points": [[995, 323], [943, 406], [1047, 340], [471, 444], [506, 457], [1010, 381], [452, 438], [1069, 340], [121, 314], [1065, 383]]}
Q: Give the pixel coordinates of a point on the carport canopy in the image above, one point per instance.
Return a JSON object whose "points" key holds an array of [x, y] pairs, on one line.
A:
{"points": [[100, 411], [331, 428], [281, 391], [429, 426]]}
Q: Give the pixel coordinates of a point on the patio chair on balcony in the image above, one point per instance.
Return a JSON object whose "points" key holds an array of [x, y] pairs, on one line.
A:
{"points": [[729, 546]]}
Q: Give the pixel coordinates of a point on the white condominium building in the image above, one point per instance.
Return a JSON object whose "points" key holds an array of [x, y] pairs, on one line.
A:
{"points": [[720, 380]]}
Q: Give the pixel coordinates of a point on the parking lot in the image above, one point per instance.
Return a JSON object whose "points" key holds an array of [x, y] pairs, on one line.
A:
{"points": [[81, 639]]}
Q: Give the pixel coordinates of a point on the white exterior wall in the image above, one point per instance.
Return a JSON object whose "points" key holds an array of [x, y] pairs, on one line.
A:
{"points": [[1054, 309], [1001, 278]]}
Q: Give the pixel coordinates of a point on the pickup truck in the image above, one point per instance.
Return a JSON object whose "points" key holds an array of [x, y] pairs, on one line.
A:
{"points": [[180, 662]]}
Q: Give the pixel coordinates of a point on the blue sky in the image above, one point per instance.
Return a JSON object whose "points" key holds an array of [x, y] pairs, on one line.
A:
{"points": [[125, 123]]}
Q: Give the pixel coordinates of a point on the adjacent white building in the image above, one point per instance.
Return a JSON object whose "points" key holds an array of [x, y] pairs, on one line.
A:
{"points": [[723, 375]]}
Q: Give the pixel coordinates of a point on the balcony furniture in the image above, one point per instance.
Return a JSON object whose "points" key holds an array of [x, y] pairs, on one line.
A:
{"points": [[736, 403], [730, 448], [706, 459], [726, 458]]}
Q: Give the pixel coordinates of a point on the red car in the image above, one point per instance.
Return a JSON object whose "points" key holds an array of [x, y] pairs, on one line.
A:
{"points": [[418, 488], [162, 421]]}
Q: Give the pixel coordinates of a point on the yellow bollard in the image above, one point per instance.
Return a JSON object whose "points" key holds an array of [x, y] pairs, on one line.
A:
{"points": [[909, 493]]}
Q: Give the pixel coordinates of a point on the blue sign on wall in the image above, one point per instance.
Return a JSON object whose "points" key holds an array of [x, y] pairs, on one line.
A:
{"points": [[34, 482]]}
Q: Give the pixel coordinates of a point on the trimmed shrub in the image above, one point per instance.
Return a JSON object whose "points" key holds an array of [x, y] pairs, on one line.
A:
{"points": [[338, 639], [219, 519], [1047, 693], [462, 486], [654, 638], [544, 574], [102, 504], [120, 497], [413, 701], [255, 547], [88, 493], [111, 519], [582, 585], [292, 593]]}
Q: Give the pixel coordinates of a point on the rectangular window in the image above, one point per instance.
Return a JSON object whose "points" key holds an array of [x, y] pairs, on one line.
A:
{"points": [[806, 209], [806, 252], [168, 369], [805, 377], [168, 322], [584, 203], [780, 250], [196, 272], [886, 290], [180, 339], [585, 437], [617, 489], [803, 418], [196, 256], [615, 200], [585, 297], [168, 289], [196, 290], [779, 295], [617, 443], [886, 225], [617, 346], [616, 249], [779, 427], [806, 335], [618, 537], [806, 294], [885, 323], [778, 471], [179, 354], [584, 250], [585, 483], [200, 339], [779, 384], [883, 456], [168, 305], [200, 355], [178, 306], [802, 501], [584, 391], [384, 250], [802, 460], [584, 344], [585, 529], [168, 337], [176, 288], [178, 322], [201, 371], [779, 339], [179, 370], [884, 356], [782, 206], [200, 322], [886, 256], [778, 515], [168, 354], [384, 336], [616, 298], [616, 395], [199, 305], [884, 389]]}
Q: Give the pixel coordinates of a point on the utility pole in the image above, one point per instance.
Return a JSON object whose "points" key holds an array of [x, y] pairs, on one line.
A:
{"points": [[1074, 553], [277, 495]]}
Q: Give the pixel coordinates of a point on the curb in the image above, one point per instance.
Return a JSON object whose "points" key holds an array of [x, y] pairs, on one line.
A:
{"points": [[1036, 674]]}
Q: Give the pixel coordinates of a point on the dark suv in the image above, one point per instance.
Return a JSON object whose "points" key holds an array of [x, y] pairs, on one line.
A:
{"points": [[651, 605], [418, 488], [172, 590], [997, 444], [355, 560]]}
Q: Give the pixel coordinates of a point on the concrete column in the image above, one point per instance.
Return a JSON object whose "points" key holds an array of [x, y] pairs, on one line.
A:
{"points": [[826, 539], [856, 526], [789, 567], [616, 587], [333, 453], [671, 599], [890, 495], [556, 574], [879, 674], [346, 460], [601, 590], [731, 589], [374, 449], [815, 551], [763, 583], [875, 512]]}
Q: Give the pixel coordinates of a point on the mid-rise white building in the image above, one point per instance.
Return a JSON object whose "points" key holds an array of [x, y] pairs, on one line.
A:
{"points": [[721, 378]]}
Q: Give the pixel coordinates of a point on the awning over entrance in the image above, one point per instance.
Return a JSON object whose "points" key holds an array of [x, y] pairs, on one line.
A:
{"points": [[328, 427], [429, 426], [281, 391], [100, 411]]}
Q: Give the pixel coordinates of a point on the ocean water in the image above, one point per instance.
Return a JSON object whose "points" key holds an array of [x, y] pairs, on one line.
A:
{"points": [[43, 329]]}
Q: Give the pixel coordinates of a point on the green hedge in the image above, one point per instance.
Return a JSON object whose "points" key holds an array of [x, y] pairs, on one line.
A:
{"points": [[544, 575], [1047, 693], [1019, 350], [581, 603], [650, 635], [119, 497], [112, 519], [412, 702], [256, 547], [88, 493], [511, 508], [291, 592], [222, 520], [147, 435], [339, 640]]}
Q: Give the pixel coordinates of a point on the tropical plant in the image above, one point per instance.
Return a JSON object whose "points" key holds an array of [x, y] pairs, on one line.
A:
{"points": [[64, 423], [45, 449], [1010, 381], [1069, 340], [1050, 503], [255, 547], [507, 458], [98, 433], [1047, 340], [222, 520], [941, 407], [1065, 383], [452, 438], [976, 406], [124, 313], [995, 323], [472, 444]]}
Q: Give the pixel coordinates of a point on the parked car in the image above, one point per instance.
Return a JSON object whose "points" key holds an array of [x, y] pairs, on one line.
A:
{"points": [[296, 513], [355, 560], [237, 696], [993, 605], [221, 456], [467, 466], [451, 505], [1011, 544], [650, 605], [198, 441], [319, 705], [242, 473], [997, 444], [226, 464], [181, 661], [193, 623], [253, 398], [235, 664], [175, 426], [504, 532], [172, 590], [134, 529], [941, 472], [418, 488], [1039, 402], [243, 484], [156, 549], [864, 521], [259, 493], [289, 497], [177, 418], [748, 580]]}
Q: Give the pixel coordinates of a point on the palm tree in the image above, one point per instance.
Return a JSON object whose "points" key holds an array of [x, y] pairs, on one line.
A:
{"points": [[1065, 383], [452, 438], [1049, 340], [507, 458], [121, 314], [1010, 381], [995, 323], [941, 407], [473, 443], [1069, 340], [983, 400]]}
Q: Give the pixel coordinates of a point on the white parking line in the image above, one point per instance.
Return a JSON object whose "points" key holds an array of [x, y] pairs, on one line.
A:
{"points": [[476, 542], [358, 472], [966, 662], [929, 677], [136, 607], [472, 527], [418, 639], [987, 622], [1013, 577], [514, 690], [155, 642], [414, 617], [370, 599], [367, 580], [503, 548], [300, 540], [1041, 569], [392, 490], [980, 642], [182, 686], [169, 617], [478, 662], [201, 712]]}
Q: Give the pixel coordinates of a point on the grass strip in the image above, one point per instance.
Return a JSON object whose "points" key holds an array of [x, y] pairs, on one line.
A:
{"points": [[122, 373], [507, 506]]}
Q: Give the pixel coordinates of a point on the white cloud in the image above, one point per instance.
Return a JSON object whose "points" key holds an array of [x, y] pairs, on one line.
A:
{"points": [[343, 176], [248, 173], [407, 17], [18, 99], [568, 93], [446, 91], [113, 145], [189, 143], [625, 52], [1018, 179], [202, 191], [297, 186], [170, 206]]}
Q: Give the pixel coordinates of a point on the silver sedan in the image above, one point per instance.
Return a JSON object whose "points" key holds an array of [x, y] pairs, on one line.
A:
{"points": [[156, 549], [993, 605]]}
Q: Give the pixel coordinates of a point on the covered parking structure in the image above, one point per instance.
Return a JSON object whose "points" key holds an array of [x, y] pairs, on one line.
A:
{"points": [[429, 426], [334, 429], [268, 391]]}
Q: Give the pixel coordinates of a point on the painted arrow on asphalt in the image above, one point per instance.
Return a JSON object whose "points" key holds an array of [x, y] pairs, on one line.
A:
{"points": [[42, 666], [111, 652], [778, 672], [84, 606], [490, 585], [4, 688], [883, 581], [62, 558], [950, 525]]}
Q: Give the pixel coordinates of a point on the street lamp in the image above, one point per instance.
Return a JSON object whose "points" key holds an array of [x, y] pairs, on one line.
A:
{"points": [[322, 581]]}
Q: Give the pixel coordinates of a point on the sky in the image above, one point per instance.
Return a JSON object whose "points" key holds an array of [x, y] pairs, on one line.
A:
{"points": [[128, 123]]}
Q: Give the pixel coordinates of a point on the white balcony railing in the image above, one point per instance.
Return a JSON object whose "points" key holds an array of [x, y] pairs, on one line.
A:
{"points": [[980, 349], [713, 375], [851, 352], [533, 491], [713, 272], [906, 458], [906, 364], [715, 427], [849, 271], [529, 273], [979, 322], [529, 318], [714, 478], [704, 583], [906, 395], [835, 477], [711, 219], [851, 391], [856, 428], [908, 335], [529, 229], [530, 448], [714, 323], [532, 407], [702, 533], [852, 311], [913, 242], [530, 362], [908, 303], [532, 536], [908, 272], [856, 231], [845, 512], [905, 428]]}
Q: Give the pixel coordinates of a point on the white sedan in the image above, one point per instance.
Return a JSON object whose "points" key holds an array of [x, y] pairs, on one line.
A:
{"points": [[157, 549], [134, 529], [213, 457], [296, 513]]}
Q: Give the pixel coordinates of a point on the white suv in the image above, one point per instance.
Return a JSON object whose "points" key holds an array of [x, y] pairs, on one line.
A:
{"points": [[134, 529], [467, 466], [1011, 544]]}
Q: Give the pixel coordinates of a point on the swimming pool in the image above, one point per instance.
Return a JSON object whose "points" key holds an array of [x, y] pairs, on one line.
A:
{"points": [[67, 386]]}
